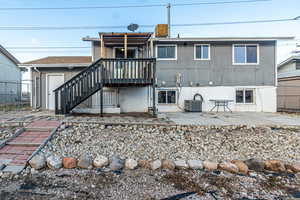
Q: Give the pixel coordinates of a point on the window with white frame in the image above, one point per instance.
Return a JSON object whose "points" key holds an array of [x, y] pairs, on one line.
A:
{"points": [[245, 54], [202, 52], [245, 96], [167, 97], [166, 52]]}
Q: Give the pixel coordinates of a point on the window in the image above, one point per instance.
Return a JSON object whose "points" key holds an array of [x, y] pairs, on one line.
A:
{"points": [[297, 65], [166, 52], [167, 97], [202, 52], [245, 54], [244, 96]]}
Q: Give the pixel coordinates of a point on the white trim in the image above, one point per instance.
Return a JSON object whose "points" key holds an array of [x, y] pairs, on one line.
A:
{"points": [[49, 74], [195, 46], [244, 96], [117, 47], [257, 54], [212, 39], [161, 45]]}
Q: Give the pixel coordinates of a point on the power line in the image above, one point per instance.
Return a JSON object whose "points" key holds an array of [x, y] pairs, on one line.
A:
{"points": [[130, 6], [33, 28], [44, 47]]}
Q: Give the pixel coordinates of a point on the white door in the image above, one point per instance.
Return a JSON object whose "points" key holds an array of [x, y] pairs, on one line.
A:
{"points": [[53, 82]]}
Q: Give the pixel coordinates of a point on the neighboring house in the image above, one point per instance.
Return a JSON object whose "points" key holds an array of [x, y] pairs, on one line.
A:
{"points": [[138, 72], [289, 84], [10, 78]]}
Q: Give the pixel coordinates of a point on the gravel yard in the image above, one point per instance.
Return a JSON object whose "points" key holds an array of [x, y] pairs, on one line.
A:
{"points": [[145, 184], [177, 142]]}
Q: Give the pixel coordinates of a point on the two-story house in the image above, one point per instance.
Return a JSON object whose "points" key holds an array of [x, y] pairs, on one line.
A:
{"points": [[139, 72]]}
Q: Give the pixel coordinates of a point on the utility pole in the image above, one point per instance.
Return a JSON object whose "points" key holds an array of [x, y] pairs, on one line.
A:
{"points": [[169, 19]]}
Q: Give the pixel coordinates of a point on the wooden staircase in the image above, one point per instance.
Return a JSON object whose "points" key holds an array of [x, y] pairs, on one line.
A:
{"points": [[104, 73]]}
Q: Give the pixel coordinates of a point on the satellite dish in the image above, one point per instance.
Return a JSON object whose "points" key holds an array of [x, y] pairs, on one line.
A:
{"points": [[133, 27]]}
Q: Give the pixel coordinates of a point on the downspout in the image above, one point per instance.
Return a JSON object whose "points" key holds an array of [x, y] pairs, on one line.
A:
{"points": [[40, 76]]}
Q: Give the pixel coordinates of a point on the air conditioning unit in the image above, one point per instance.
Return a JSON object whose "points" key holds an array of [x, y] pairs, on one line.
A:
{"points": [[194, 105]]}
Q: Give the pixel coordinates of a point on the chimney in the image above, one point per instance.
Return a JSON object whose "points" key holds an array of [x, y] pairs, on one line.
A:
{"points": [[161, 30]]}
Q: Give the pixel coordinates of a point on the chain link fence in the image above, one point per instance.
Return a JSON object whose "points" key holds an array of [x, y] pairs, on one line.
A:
{"points": [[14, 96]]}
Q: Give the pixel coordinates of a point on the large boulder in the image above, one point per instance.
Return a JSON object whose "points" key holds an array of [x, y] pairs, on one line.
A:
{"points": [[255, 164], [85, 162], [209, 165], [38, 162], [155, 165], [181, 164], [100, 161], [69, 163], [195, 164], [116, 163], [131, 164], [243, 168], [54, 162], [168, 164], [275, 166], [229, 167]]}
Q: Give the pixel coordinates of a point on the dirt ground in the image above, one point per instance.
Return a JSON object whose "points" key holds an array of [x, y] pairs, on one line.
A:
{"points": [[146, 184]]}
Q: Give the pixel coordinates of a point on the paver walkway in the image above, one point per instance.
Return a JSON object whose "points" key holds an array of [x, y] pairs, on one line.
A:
{"points": [[15, 153]]}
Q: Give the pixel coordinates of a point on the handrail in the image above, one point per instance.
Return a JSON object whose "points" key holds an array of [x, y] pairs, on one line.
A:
{"points": [[80, 73]]}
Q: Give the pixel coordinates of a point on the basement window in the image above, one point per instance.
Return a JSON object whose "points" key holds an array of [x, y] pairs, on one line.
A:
{"points": [[244, 96], [167, 97]]}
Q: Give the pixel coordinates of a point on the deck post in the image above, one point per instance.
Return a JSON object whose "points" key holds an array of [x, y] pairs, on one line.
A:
{"points": [[154, 89], [101, 102]]}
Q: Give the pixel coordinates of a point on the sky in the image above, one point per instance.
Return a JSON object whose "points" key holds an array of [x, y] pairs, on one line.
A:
{"points": [[275, 9]]}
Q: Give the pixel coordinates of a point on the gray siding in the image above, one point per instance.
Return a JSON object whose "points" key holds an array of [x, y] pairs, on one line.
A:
{"points": [[68, 74], [10, 81], [219, 69]]}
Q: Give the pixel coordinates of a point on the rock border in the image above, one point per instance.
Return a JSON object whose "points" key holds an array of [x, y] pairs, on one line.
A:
{"points": [[117, 163]]}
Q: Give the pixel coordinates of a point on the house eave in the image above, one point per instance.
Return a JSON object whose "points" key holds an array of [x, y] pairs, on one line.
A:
{"points": [[56, 65]]}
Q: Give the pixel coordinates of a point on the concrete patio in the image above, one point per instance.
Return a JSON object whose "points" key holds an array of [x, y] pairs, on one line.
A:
{"points": [[235, 118]]}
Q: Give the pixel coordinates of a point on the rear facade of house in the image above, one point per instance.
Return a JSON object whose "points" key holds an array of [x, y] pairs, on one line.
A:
{"points": [[10, 78], [142, 73]]}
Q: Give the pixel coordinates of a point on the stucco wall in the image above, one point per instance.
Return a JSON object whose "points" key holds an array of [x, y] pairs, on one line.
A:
{"points": [[265, 98]]}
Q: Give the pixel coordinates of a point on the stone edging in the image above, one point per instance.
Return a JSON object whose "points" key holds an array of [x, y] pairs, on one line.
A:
{"points": [[116, 163]]}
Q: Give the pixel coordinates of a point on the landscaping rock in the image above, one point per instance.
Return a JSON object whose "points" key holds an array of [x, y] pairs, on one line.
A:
{"points": [[54, 162], [131, 164], [168, 164], [243, 168], [85, 162], [275, 166], [144, 164], [211, 166], [116, 163], [255, 164], [181, 164], [155, 165], [195, 164], [297, 176], [229, 167], [100, 161], [38, 162], [69, 163], [293, 168]]}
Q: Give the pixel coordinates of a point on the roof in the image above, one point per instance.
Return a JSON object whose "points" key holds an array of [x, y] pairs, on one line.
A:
{"points": [[221, 39], [9, 55], [60, 60], [289, 60], [290, 74]]}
